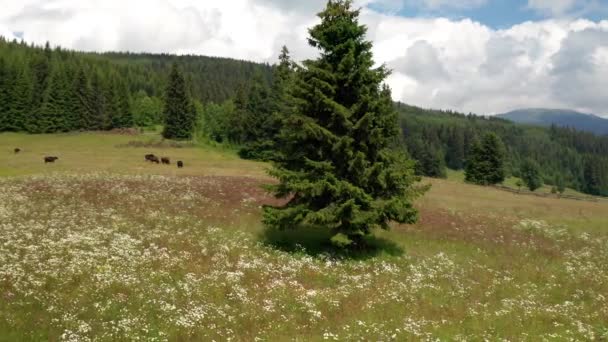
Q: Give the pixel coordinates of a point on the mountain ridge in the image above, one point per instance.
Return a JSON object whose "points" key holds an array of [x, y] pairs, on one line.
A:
{"points": [[559, 117]]}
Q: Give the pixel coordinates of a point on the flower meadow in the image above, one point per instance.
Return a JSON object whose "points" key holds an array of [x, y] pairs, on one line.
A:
{"points": [[103, 257]]}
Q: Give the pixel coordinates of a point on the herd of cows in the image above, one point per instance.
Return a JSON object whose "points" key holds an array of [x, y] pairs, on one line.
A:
{"points": [[149, 158]]}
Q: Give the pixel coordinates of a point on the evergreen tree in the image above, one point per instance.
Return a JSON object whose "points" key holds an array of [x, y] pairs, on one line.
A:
{"points": [[258, 121], [120, 113], [20, 102], [486, 163], [82, 100], [6, 86], [54, 114], [41, 68], [530, 174], [98, 119], [592, 174], [179, 111], [338, 169]]}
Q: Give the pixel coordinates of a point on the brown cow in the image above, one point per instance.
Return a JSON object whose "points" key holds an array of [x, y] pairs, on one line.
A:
{"points": [[166, 160], [17, 150], [180, 164], [50, 159]]}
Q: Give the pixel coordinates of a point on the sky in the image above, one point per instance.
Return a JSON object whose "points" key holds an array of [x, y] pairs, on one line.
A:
{"points": [[480, 56]]}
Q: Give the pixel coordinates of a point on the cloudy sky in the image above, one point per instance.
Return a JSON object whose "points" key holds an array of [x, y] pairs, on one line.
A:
{"points": [[481, 56]]}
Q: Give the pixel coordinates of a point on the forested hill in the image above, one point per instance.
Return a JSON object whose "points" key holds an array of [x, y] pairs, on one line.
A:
{"points": [[559, 117], [44, 89], [440, 139]]}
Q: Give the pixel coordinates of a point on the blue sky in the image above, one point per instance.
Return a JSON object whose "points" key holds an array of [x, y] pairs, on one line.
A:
{"points": [[502, 14]]}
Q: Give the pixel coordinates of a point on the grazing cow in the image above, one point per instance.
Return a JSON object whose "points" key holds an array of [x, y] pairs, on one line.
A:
{"points": [[17, 150], [180, 164], [150, 157], [50, 159], [154, 159], [166, 160]]}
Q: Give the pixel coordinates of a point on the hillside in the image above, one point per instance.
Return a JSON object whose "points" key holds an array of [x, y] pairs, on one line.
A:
{"points": [[559, 117], [440, 139], [102, 245]]}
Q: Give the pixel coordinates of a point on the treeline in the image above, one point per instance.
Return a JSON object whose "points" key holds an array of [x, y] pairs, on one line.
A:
{"points": [[439, 140], [47, 90]]}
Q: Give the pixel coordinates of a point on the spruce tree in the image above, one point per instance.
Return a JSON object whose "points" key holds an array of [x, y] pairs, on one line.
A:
{"points": [[338, 169], [6, 86], [54, 114], [21, 101], [81, 100], [530, 174], [98, 113], [121, 116], [180, 115], [486, 161]]}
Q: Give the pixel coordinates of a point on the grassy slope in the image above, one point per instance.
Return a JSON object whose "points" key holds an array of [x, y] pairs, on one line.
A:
{"points": [[91, 152], [140, 256]]}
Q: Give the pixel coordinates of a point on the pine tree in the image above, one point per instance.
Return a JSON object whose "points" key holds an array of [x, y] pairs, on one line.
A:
{"points": [[98, 119], [21, 101], [530, 174], [41, 68], [338, 169], [258, 122], [81, 100], [121, 116], [486, 162], [179, 111], [54, 114], [6, 86]]}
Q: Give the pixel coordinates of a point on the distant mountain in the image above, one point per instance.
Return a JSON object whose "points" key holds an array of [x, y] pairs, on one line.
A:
{"points": [[559, 117]]}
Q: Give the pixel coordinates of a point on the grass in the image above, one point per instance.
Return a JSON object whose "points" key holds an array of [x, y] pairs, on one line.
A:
{"points": [[103, 246], [90, 152]]}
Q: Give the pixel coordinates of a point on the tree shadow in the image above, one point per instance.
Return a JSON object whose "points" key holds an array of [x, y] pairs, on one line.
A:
{"points": [[316, 242]]}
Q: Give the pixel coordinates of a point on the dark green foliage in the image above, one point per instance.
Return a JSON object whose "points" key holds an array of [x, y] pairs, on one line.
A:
{"points": [[96, 89], [98, 119], [486, 162], [560, 184], [558, 151], [530, 174], [20, 102], [54, 114], [595, 178], [179, 111], [429, 160], [337, 167], [120, 112], [81, 100]]}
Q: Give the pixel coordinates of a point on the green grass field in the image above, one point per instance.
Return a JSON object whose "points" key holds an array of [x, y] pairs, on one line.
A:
{"points": [[104, 246]]}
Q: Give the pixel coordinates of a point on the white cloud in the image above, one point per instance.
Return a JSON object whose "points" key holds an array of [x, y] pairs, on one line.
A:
{"points": [[437, 63]]}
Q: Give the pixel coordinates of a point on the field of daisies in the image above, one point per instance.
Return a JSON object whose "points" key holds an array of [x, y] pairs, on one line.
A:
{"points": [[103, 257]]}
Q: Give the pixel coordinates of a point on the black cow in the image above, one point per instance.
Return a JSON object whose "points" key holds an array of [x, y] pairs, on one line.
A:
{"points": [[180, 164], [17, 150], [166, 160], [50, 159], [154, 159], [150, 157]]}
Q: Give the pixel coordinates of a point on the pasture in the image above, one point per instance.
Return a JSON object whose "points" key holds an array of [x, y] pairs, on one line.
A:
{"points": [[102, 245]]}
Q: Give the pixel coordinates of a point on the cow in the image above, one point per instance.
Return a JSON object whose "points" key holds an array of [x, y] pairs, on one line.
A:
{"points": [[150, 157], [166, 160], [154, 159], [17, 150], [180, 164], [50, 159]]}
